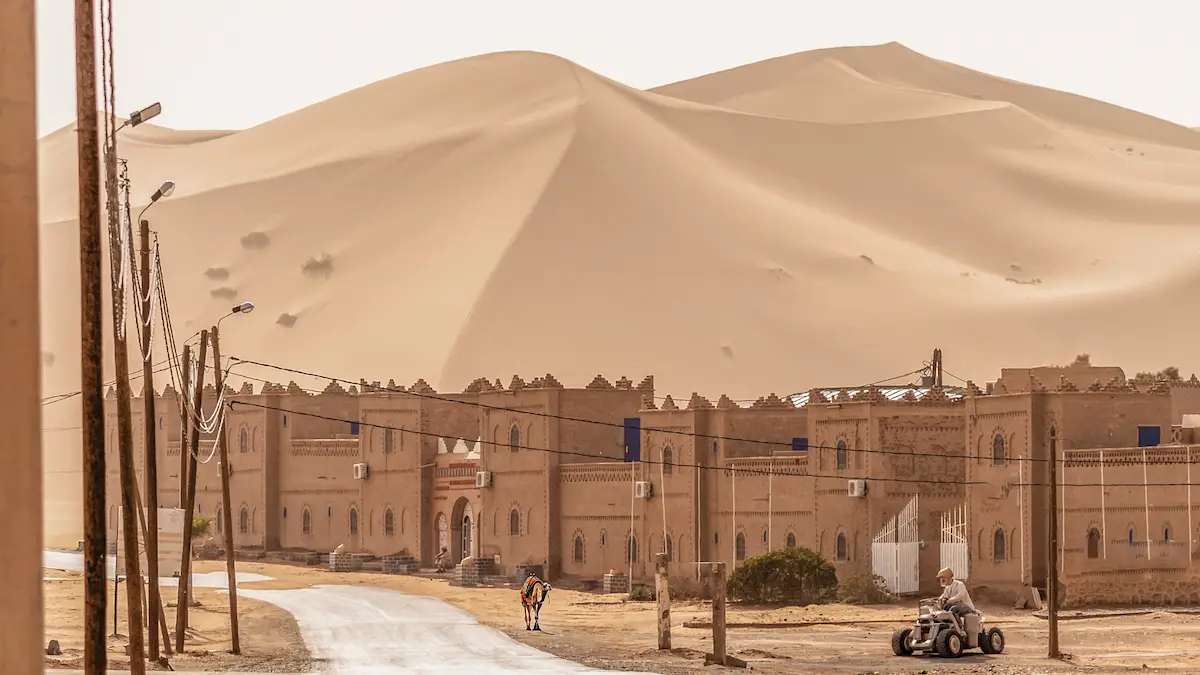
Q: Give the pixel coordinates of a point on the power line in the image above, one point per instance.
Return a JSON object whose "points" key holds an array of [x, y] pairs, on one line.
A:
{"points": [[677, 432], [766, 472], [58, 398]]}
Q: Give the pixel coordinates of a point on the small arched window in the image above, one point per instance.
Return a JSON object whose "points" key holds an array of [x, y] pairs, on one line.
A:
{"points": [[668, 548], [998, 546], [1166, 533], [389, 441], [1093, 543], [353, 522], [667, 460], [578, 552], [514, 523], [603, 538], [514, 438], [739, 547], [243, 440], [1132, 533], [791, 540], [841, 547], [389, 523], [633, 549], [160, 422], [766, 537], [306, 522], [244, 521], [841, 454], [998, 450]]}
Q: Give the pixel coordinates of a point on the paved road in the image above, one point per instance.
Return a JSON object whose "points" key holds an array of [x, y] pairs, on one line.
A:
{"points": [[362, 630]]}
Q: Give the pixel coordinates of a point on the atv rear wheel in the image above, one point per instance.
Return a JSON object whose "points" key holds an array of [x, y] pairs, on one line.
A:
{"points": [[901, 646], [949, 644], [991, 641]]}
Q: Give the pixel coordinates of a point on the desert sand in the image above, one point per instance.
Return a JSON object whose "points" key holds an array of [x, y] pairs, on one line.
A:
{"points": [[821, 219]]}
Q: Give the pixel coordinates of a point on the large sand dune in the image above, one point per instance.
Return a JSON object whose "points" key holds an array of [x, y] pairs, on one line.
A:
{"points": [[823, 218]]}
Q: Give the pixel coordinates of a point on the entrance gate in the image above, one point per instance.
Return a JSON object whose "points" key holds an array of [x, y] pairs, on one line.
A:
{"points": [[896, 552], [954, 542]]}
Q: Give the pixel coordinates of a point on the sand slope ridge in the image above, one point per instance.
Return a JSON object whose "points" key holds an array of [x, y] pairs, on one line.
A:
{"points": [[825, 218]]}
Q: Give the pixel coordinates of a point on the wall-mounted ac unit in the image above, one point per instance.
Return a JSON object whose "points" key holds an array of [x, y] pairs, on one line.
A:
{"points": [[643, 489], [857, 487], [483, 479], [361, 471]]}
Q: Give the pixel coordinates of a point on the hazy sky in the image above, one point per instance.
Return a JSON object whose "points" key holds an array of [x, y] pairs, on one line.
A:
{"points": [[236, 63]]}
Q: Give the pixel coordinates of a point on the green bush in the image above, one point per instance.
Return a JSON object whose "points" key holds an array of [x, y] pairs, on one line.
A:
{"points": [[864, 589], [794, 575]]}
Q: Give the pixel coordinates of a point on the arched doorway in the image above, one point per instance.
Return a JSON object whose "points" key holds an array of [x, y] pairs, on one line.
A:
{"points": [[443, 530], [462, 524]]}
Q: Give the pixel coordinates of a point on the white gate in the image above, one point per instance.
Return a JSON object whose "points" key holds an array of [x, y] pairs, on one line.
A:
{"points": [[896, 550], [954, 542]]}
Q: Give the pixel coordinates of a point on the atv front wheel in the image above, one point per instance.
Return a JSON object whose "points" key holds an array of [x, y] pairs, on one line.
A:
{"points": [[991, 641], [949, 644], [900, 642]]}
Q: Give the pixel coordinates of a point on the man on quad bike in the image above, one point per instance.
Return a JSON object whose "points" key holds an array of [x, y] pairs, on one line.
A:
{"points": [[954, 596]]}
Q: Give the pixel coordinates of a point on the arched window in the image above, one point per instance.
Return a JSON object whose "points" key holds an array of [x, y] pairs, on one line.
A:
{"points": [[389, 441], [514, 438], [160, 422], [998, 450], [633, 551], [514, 523], [841, 547], [766, 537], [841, 454], [667, 460], [998, 545], [353, 521], [669, 548], [244, 521], [1132, 533], [389, 523], [243, 440], [603, 539], [306, 522], [791, 540], [578, 553], [1167, 532], [1093, 543], [739, 547]]}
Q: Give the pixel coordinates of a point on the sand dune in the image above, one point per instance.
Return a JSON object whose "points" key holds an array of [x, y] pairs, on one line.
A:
{"points": [[822, 218]]}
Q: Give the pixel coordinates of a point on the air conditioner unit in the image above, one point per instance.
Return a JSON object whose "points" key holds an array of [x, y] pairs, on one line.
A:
{"points": [[361, 471], [643, 489], [857, 487], [483, 479]]}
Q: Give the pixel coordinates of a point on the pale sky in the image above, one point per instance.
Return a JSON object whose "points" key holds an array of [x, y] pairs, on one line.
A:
{"points": [[228, 64]]}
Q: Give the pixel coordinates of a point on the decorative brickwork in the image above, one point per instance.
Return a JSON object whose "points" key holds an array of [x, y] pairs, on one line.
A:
{"points": [[616, 583]]}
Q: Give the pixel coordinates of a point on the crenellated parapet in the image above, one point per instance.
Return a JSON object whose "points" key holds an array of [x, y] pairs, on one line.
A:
{"points": [[771, 400], [418, 387], [726, 403], [698, 402], [668, 404]]}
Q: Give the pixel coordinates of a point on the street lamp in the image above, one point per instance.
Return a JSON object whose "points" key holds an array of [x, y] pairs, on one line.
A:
{"points": [[163, 190], [144, 115]]}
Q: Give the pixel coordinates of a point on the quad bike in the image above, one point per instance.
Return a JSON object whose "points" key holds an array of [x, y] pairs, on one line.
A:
{"points": [[939, 631]]}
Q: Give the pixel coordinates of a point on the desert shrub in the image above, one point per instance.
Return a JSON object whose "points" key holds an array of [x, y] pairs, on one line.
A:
{"points": [[864, 589], [200, 526], [642, 594], [795, 575]]}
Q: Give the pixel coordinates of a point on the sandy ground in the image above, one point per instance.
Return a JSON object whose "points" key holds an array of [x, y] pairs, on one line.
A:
{"points": [[607, 632], [270, 638]]}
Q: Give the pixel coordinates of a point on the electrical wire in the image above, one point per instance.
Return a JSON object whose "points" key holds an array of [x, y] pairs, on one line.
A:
{"points": [[726, 469]]}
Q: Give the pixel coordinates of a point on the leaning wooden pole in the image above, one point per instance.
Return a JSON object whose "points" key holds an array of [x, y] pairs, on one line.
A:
{"points": [[189, 502], [159, 617], [226, 505], [20, 357], [95, 655], [150, 441]]}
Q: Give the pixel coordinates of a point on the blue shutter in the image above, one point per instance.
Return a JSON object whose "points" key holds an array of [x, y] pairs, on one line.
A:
{"points": [[633, 439], [354, 428], [1149, 436], [800, 444]]}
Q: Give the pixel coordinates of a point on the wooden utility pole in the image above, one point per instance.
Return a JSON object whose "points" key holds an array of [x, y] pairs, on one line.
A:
{"points": [[185, 573], [129, 525], [145, 304], [226, 505], [20, 357], [161, 617], [718, 655], [664, 600], [185, 424], [95, 656], [1052, 553]]}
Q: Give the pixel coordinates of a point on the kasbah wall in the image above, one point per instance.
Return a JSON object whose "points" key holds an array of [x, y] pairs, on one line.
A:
{"points": [[536, 473]]}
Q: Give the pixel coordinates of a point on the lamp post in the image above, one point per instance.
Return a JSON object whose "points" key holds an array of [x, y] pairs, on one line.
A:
{"points": [[154, 602], [226, 500]]}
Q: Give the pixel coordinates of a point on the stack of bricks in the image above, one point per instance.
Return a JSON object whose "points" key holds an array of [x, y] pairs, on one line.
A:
{"points": [[616, 583], [344, 562], [469, 573], [524, 569], [399, 564]]}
